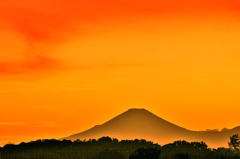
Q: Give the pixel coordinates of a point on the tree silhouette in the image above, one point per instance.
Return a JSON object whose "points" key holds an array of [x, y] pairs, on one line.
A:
{"points": [[105, 139], [110, 148], [234, 142]]}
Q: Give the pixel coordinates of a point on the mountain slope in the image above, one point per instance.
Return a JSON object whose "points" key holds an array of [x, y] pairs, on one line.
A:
{"points": [[142, 124]]}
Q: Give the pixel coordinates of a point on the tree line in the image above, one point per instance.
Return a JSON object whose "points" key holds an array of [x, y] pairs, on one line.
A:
{"points": [[111, 148]]}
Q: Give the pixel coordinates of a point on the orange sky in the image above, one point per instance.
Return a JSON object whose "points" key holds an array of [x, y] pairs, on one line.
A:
{"points": [[67, 65]]}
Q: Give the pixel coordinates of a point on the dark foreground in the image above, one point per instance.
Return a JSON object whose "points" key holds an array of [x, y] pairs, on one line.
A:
{"points": [[108, 148]]}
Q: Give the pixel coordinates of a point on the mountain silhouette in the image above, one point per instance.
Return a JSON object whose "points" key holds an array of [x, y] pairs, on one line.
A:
{"points": [[142, 124]]}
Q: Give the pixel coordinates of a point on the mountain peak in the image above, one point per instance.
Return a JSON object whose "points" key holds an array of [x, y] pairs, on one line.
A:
{"points": [[137, 110], [137, 122], [135, 113], [143, 124]]}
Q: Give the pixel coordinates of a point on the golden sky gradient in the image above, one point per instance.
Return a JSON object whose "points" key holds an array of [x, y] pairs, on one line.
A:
{"points": [[67, 65]]}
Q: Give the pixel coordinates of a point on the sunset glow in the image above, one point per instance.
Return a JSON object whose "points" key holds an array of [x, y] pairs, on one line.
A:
{"points": [[68, 65]]}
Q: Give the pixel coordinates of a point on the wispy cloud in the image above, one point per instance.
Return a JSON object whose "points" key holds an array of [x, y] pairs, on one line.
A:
{"points": [[24, 124], [12, 124], [38, 63], [47, 22]]}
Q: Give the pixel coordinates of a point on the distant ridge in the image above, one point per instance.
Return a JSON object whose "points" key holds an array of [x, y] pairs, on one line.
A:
{"points": [[143, 124]]}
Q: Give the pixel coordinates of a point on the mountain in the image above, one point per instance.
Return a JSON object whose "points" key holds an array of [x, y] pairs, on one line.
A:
{"points": [[142, 124]]}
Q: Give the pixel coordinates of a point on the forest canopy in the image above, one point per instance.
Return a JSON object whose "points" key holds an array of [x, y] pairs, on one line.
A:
{"points": [[111, 148]]}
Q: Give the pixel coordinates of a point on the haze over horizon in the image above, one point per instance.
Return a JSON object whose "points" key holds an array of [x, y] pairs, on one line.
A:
{"points": [[139, 123], [143, 124], [68, 65]]}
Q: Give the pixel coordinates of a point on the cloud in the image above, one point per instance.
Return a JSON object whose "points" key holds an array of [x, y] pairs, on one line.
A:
{"points": [[11, 124], [24, 124], [44, 19], [47, 22], [38, 64]]}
